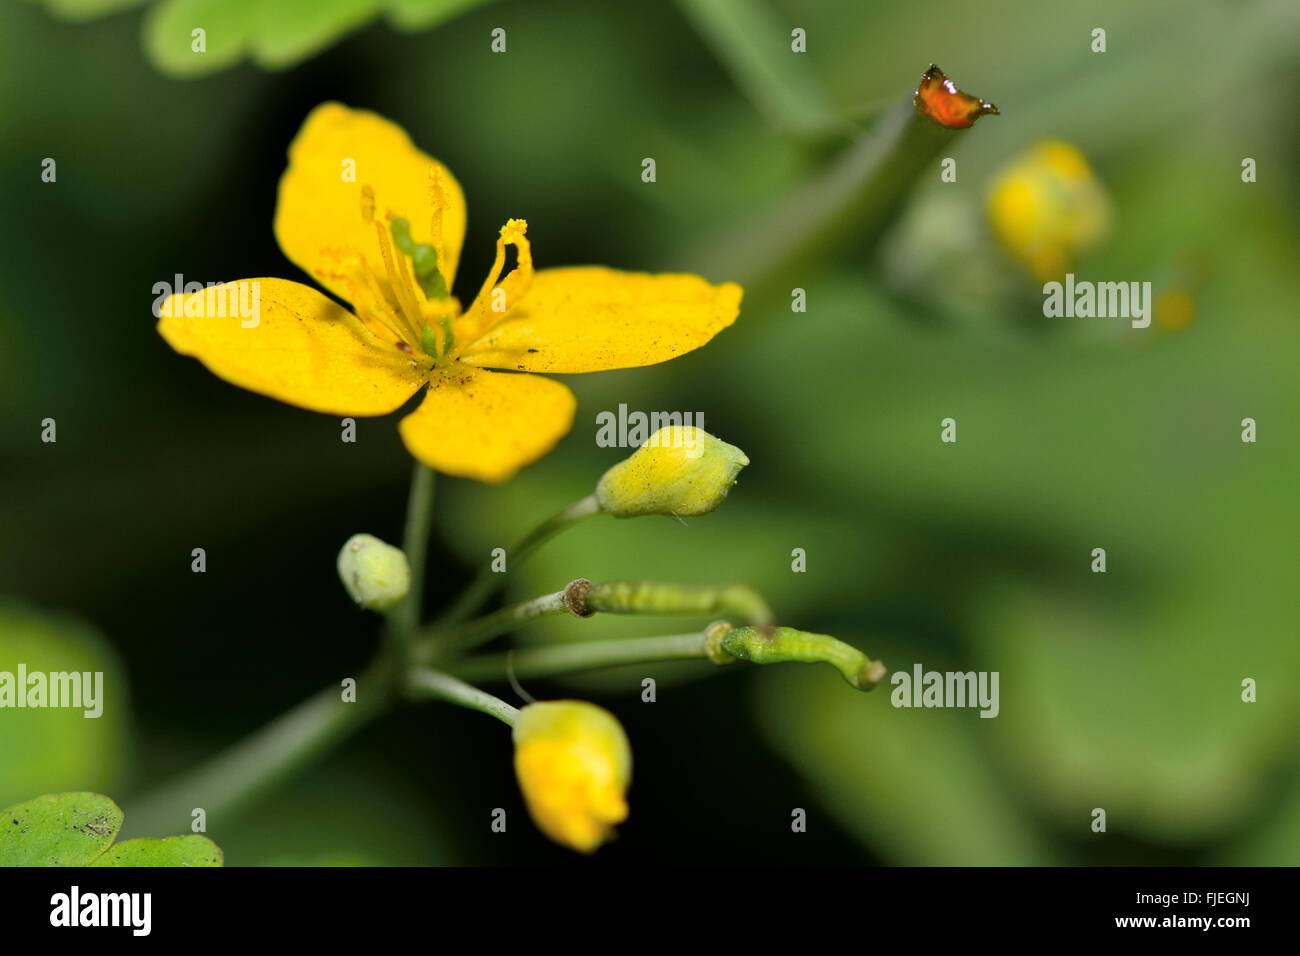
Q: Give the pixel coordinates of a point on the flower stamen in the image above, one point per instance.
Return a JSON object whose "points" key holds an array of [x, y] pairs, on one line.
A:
{"points": [[498, 296], [371, 314], [438, 197], [408, 311]]}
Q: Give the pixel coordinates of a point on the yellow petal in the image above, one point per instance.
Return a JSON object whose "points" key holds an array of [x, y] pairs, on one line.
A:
{"points": [[318, 213], [588, 318], [573, 763], [487, 425], [301, 348]]}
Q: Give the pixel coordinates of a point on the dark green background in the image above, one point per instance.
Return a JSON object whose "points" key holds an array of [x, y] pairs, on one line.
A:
{"points": [[1118, 691]]}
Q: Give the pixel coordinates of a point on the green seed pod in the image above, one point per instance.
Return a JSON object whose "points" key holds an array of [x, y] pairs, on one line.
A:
{"points": [[681, 471], [375, 574]]}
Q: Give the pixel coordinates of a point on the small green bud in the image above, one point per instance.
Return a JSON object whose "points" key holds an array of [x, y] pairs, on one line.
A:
{"points": [[375, 574], [681, 470]]}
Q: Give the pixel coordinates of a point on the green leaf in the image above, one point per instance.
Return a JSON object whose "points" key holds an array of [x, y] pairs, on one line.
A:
{"points": [[58, 829], [191, 850]]}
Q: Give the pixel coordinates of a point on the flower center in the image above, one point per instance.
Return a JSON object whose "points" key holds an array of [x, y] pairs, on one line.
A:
{"points": [[408, 306]]}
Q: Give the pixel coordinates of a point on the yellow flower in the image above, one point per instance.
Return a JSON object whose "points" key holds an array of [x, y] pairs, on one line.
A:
{"points": [[1046, 207], [574, 763], [380, 224]]}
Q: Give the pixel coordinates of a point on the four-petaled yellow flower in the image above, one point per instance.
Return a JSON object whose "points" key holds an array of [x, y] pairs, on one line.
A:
{"points": [[380, 224], [574, 763]]}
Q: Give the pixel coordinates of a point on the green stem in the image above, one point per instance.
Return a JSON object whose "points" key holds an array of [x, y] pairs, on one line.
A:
{"points": [[859, 195], [584, 656], [234, 778], [415, 543], [487, 582], [424, 683], [582, 598], [463, 637]]}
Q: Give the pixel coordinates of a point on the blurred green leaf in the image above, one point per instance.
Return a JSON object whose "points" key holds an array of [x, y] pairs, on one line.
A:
{"points": [[50, 749], [86, 9], [190, 850], [58, 829], [756, 47], [916, 786], [418, 14], [274, 35]]}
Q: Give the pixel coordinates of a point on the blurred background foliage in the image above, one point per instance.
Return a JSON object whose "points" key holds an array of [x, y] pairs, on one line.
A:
{"points": [[1119, 691]]}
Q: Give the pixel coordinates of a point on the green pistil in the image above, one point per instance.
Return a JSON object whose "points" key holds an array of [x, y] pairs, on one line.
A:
{"points": [[429, 342], [423, 258]]}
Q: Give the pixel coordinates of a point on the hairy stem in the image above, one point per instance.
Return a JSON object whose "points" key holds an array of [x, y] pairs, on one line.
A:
{"points": [[486, 582], [423, 683], [415, 543], [228, 782], [583, 656], [857, 196], [454, 640]]}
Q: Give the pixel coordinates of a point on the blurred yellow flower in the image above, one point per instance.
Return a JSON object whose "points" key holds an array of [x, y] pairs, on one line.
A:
{"points": [[1046, 207], [574, 764], [1175, 309], [380, 224]]}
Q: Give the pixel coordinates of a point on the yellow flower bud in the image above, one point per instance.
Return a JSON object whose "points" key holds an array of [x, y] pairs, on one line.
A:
{"points": [[681, 470], [1046, 207], [375, 574], [574, 764]]}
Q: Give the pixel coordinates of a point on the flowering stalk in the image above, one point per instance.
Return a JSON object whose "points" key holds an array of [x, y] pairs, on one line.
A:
{"points": [[415, 542], [237, 776], [582, 656], [448, 641], [424, 683], [720, 643], [857, 196], [581, 598], [486, 582]]}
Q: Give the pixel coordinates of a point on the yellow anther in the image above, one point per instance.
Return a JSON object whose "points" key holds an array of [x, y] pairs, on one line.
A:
{"points": [[513, 230]]}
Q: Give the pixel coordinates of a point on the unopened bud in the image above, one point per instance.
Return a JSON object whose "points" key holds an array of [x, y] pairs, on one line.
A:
{"points": [[681, 471], [375, 574]]}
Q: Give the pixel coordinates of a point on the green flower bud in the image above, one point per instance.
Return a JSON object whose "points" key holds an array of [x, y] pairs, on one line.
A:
{"points": [[681, 471], [375, 574]]}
